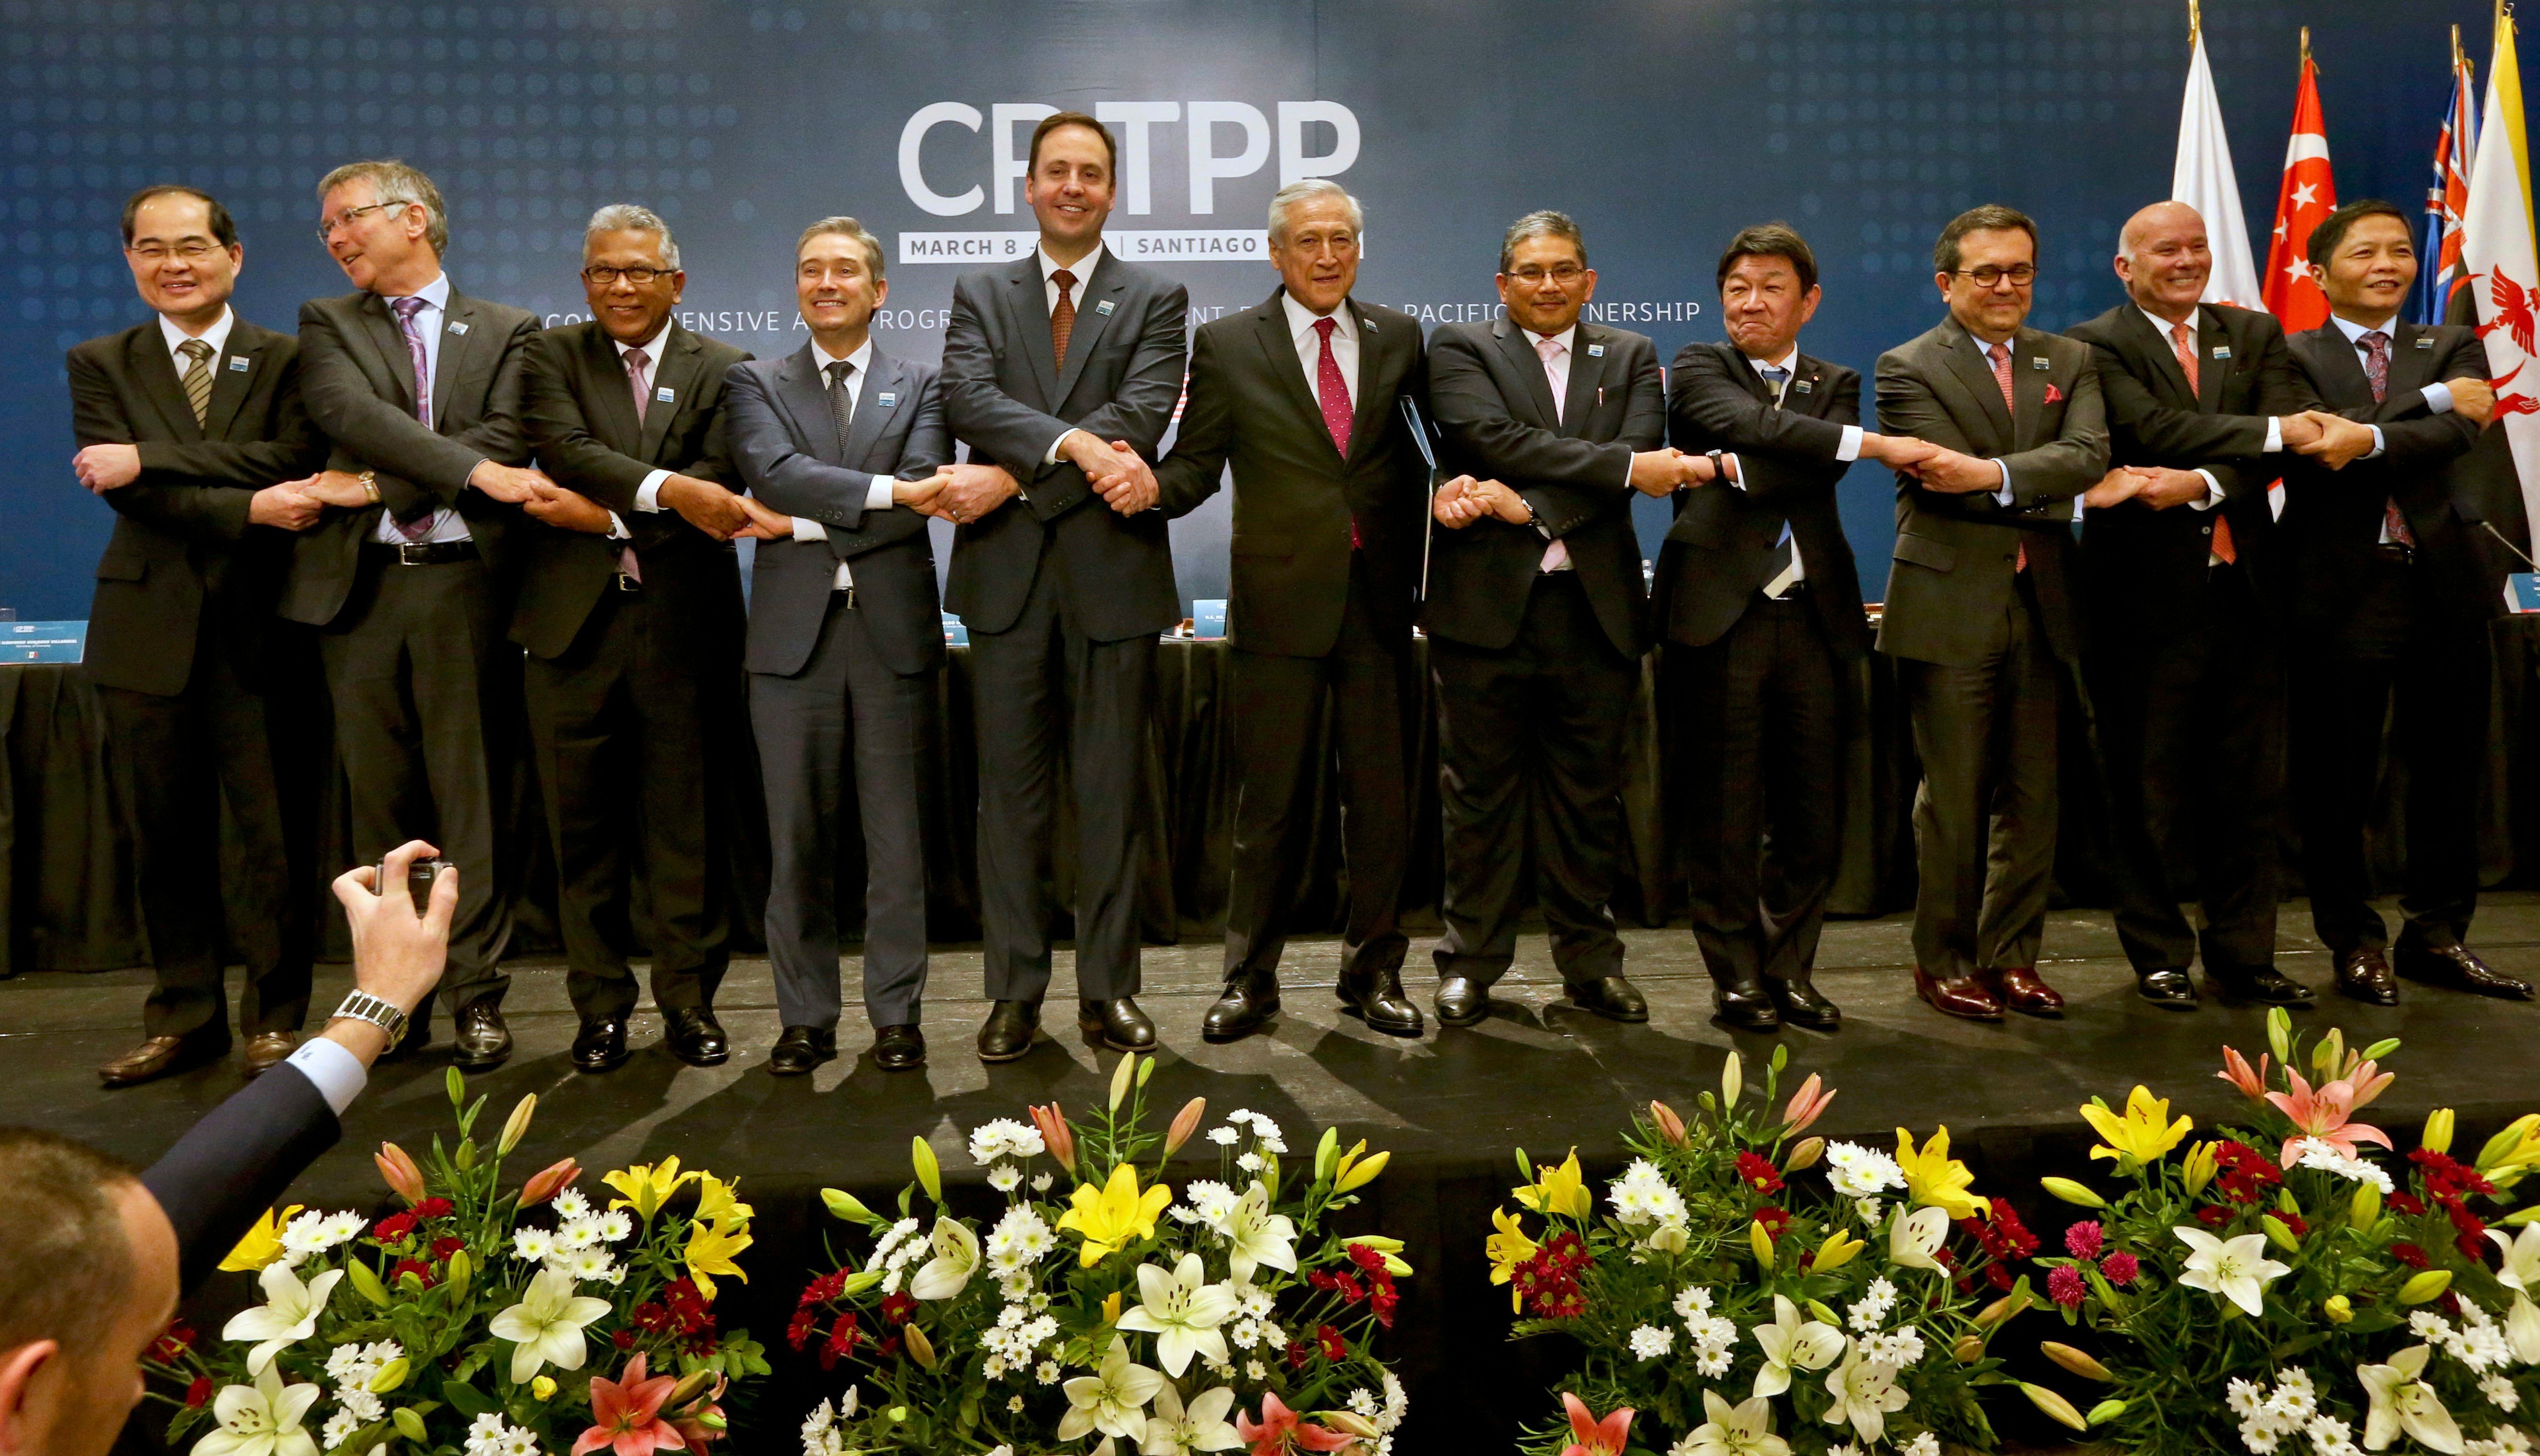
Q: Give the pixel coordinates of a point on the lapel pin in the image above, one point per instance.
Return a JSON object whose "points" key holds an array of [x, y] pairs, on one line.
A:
{"points": [[2425, 341], [1367, 323], [1804, 385], [458, 327], [237, 364], [2221, 351], [1104, 306], [887, 398], [666, 395], [2038, 364], [1595, 351]]}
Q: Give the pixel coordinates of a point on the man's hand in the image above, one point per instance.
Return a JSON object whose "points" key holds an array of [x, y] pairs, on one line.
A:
{"points": [[508, 484], [1897, 452], [1504, 503], [708, 506], [1458, 503], [2164, 487], [2115, 488], [104, 467], [1129, 489], [2340, 441], [568, 509], [1952, 473], [973, 490], [920, 495], [765, 523], [2297, 431], [2473, 399], [285, 507], [397, 955], [1657, 472], [333, 488]]}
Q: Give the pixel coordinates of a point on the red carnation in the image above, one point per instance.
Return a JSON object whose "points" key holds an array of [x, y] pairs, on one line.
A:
{"points": [[443, 1248], [842, 1339], [1297, 1353], [625, 1339], [2405, 1203], [1998, 1276], [2213, 1215], [1335, 1349], [393, 1228], [2120, 1268], [1759, 1173], [433, 1208], [798, 1331], [2084, 1240], [1366, 1259], [417, 1267], [199, 1393], [897, 1308], [1774, 1218], [2064, 1286], [2409, 1254]]}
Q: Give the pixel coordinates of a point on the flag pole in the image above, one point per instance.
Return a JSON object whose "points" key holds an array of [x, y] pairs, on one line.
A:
{"points": [[2195, 24]]}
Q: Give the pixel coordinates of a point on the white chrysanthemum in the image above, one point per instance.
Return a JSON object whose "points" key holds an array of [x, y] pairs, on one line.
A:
{"points": [[339, 1427], [1046, 1373], [1040, 1182], [1650, 1341], [2500, 1392], [1691, 1300], [2328, 1159], [578, 1233], [1005, 1177], [1224, 1137], [571, 1205], [2243, 1398], [534, 1244], [1855, 1171], [615, 1226], [1926, 1445]]}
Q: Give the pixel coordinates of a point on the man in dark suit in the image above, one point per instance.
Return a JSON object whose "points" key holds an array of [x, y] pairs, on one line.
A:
{"points": [[191, 426], [2394, 584], [2181, 595], [1302, 396], [101, 1252], [1063, 369], [844, 447], [627, 610], [1758, 608], [1980, 609], [1534, 614], [418, 386]]}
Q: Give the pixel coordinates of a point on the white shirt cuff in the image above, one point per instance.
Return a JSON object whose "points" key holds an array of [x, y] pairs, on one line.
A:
{"points": [[2438, 398], [1850, 449], [338, 1075], [878, 494], [648, 496], [808, 530], [2213, 493], [617, 530], [2004, 495], [1049, 456], [2275, 435], [2377, 443], [1730, 472]]}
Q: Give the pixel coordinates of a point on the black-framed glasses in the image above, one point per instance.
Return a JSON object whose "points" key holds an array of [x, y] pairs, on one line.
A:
{"points": [[326, 227], [2021, 275], [192, 251], [600, 277]]}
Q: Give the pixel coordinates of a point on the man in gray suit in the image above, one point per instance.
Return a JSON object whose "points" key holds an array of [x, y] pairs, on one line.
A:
{"points": [[1064, 370], [419, 389], [843, 448], [1979, 609]]}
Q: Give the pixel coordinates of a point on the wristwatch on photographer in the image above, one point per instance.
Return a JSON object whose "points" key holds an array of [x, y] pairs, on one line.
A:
{"points": [[370, 486], [361, 1006]]}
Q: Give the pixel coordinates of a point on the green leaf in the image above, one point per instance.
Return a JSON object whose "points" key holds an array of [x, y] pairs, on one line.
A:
{"points": [[466, 1399]]}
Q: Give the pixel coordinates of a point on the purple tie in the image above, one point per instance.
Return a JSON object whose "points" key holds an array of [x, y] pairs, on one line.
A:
{"points": [[636, 360], [405, 308], [2376, 369]]}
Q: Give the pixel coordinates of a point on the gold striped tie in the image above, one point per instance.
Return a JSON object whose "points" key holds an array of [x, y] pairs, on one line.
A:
{"points": [[199, 377]]}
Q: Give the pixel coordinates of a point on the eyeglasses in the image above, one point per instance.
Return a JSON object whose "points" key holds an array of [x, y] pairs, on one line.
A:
{"points": [[189, 252], [598, 277], [1988, 276], [1567, 273], [326, 228]]}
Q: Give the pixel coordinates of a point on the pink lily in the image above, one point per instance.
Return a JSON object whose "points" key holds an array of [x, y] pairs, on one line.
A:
{"points": [[2321, 1115], [1606, 1438], [628, 1413], [1282, 1431], [2368, 1081], [1055, 1135], [397, 1169], [549, 1181], [2235, 1071], [1805, 1105]]}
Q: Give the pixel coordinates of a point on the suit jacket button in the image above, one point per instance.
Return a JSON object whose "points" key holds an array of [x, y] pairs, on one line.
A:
{"points": [[2208, 530]]}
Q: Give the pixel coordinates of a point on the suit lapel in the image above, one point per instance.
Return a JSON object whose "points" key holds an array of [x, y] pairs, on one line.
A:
{"points": [[1372, 345], [676, 373], [1521, 357], [229, 385], [1279, 348], [1743, 370], [616, 403], [2411, 367], [1966, 359], [385, 337], [2210, 329], [2137, 333], [156, 368], [1101, 289], [882, 377], [2028, 385], [800, 389], [1811, 401], [1030, 295], [457, 335], [1586, 371], [2340, 367]]}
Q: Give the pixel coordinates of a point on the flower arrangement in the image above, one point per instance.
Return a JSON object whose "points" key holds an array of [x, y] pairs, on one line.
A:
{"points": [[1227, 1317], [477, 1319], [2278, 1289], [1748, 1292]]}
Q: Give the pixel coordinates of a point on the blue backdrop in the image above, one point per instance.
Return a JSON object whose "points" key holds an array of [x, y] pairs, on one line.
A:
{"points": [[1663, 125]]}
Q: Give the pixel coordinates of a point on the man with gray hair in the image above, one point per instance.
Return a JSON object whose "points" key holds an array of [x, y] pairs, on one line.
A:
{"points": [[417, 387], [1300, 396], [630, 607]]}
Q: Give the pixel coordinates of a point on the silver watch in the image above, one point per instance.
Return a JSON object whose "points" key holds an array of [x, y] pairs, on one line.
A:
{"points": [[361, 1006]]}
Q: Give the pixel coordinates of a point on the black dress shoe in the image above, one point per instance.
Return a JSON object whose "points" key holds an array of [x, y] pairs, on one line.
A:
{"points": [[799, 1049], [901, 1048], [481, 1039], [1610, 996], [2264, 988], [601, 1044], [2458, 967], [1376, 998], [1117, 1025], [695, 1037], [2167, 988], [1461, 1002], [1010, 1030], [1744, 1004], [2363, 975], [1246, 1006], [1802, 1004]]}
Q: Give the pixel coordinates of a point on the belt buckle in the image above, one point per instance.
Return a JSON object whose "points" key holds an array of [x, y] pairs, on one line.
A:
{"points": [[414, 553]]}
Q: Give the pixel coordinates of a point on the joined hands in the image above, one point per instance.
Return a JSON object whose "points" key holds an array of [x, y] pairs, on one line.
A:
{"points": [[1463, 500]]}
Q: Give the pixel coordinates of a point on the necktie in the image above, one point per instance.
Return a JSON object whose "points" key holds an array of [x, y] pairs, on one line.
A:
{"points": [[1062, 315], [1331, 393], [1556, 555], [2182, 342], [405, 310], [1785, 563], [842, 404], [2000, 354], [1777, 376], [2377, 368], [199, 377], [636, 360]]}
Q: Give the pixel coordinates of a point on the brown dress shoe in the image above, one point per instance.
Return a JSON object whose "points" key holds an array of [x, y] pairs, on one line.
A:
{"points": [[1962, 997], [2024, 991], [2364, 975], [160, 1056], [2457, 966], [267, 1050]]}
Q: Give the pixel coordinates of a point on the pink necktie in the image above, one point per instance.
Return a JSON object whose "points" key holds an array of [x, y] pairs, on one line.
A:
{"points": [[405, 310], [2000, 354], [1556, 555], [636, 360], [2182, 342]]}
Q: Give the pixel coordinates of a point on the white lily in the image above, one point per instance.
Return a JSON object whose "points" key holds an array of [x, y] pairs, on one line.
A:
{"points": [[1743, 1429], [1183, 1310], [2403, 1401], [1175, 1431], [547, 1325], [261, 1420], [1913, 1238], [1112, 1400], [1255, 1236], [1789, 1343], [2238, 1271], [288, 1315], [1863, 1392], [956, 1258], [2521, 1269], [2522, 1330]]}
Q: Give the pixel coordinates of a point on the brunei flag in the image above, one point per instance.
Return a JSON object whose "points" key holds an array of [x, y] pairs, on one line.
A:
{"points": [[2497, 252]]}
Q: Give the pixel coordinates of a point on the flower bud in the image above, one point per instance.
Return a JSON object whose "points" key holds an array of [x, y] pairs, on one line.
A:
{"points": [[549, 1181], [2279, 1033], [1999, 1310], [516, 1125], [1824, 1312], [465, 1157], [1761, 1241], [457, 1087], [391, 1376], [1670, 1125], [1805, 1155], [2381, 1049], [1732, 1081], [2072, 1193], [687, 1388], [403, 1178], [2279, 1234], [2364, 1208], [2327, 1057], [845, 1206], [1362, 1172], [920, 1348], [1349, 1422], [930, 1174], [2338, 1309], [1185, 1123], [407, 1423], [543, 1387], [1967, 1351], [2077, 1362], [2424, 1284], [1670, 1238], [2438, 1136], [2105, 1411], [2055, 1406], [365, 1283], [2197, 1169], [459, 1269], [1120, 1075], [1835, 1252]]}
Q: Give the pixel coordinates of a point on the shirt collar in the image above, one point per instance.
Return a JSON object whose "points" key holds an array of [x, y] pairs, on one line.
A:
{"points": [[1083, 267], [862, 359], [1568, 338], [1300, 319], [436, 292], [2195, 323], [2355, 332], [651, 347], [1787, 364], [218, 335]]}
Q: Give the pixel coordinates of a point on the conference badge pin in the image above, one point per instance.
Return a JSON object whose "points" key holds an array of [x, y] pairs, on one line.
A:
{"points": [[2221, 351], [1104, 306], [458, 327], [2038, 364], [2425, 341], [887, 398], [239, 364], [1804, 387], [666, 395], [1595, 351]]}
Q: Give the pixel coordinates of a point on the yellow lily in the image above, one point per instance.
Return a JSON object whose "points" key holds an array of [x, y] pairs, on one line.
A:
{"points": [[1935, 1180], [647, 1185], [2512, 1149], [1355, 1173], [1113, 1217], [1506, 1249], [718, 1202], [1835, 1252], [2143, 1135], [2197, 1169], [1562, 1190], [262, 1244], [710, 1251]]}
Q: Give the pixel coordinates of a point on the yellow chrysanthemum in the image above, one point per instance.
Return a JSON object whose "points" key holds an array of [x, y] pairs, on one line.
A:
{"points": [[1113, 1217], [2143, 1135], [1935, 1180]]}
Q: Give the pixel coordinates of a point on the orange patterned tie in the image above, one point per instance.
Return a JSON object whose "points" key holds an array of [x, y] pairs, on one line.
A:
{"points": [[2000, 354], [2182, 342], [1062, 316]]}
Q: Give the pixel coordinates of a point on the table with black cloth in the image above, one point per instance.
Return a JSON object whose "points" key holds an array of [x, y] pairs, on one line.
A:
{"points": [[66, 833]]}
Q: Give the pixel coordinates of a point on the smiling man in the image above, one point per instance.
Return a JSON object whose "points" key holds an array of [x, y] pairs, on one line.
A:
{"points": [[191, 428]]}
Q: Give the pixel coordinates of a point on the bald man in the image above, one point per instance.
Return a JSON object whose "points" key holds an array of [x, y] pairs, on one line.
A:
{"points": [[2182, 598]]}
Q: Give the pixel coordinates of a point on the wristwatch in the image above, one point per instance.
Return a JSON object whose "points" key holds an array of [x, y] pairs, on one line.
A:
{"points": [[370, 486], [361, 1006]]}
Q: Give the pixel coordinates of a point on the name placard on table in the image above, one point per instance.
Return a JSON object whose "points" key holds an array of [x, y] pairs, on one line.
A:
{"points": [[42, 642]]}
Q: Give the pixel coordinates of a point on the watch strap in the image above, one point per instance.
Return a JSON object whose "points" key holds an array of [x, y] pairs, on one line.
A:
{"points": [[361, 1006]]}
